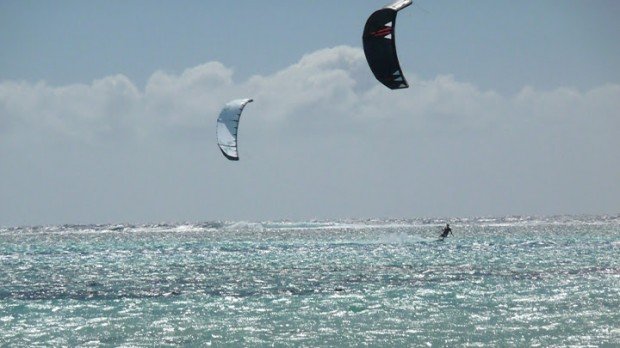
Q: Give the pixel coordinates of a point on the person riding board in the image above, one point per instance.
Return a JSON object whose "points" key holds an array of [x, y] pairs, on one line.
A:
{"points": [[446, 230]]}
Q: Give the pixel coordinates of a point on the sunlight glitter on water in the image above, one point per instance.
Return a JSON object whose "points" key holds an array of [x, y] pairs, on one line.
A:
{"points": [[498, 281]]}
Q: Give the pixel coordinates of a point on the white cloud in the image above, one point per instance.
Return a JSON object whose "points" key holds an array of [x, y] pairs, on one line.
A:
{"points": [[323, 138], [326, 88], [102, 109], [185, 100]]}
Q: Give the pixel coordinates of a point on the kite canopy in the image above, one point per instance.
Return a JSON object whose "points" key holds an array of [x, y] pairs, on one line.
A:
{"points": [[227, 127], [380, 45]]}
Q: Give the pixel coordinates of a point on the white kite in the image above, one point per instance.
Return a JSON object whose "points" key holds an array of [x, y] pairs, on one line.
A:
{"points": [[227, 127]]}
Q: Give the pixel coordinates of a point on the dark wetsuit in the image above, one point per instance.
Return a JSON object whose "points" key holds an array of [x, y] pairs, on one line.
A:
{"points": [[446, 231]]}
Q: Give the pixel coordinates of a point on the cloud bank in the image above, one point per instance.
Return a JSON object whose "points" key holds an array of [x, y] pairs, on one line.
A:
{"points": [[322, 140]]}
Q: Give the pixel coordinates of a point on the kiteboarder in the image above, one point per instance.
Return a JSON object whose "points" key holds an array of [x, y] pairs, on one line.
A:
{"points": [[446, 230]]}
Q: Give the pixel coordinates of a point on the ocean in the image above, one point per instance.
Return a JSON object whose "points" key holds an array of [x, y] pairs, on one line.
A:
{"points": [[507, 281]]}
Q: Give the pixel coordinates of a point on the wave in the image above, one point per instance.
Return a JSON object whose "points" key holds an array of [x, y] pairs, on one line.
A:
{"points": [[310, 225]]}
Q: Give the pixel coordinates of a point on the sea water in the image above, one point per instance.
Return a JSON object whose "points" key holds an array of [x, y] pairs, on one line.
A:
{"points": [[512, 281]]}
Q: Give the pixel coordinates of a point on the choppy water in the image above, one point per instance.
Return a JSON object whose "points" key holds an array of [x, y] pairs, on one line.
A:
{"points": [[517, 281]]}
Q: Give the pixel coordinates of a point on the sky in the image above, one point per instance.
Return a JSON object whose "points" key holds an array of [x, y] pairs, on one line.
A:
{"points": [[108, 111]]}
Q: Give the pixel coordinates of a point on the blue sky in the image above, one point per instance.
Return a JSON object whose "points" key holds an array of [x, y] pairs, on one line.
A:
{"points": [[106, 110], [495, 44]]}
